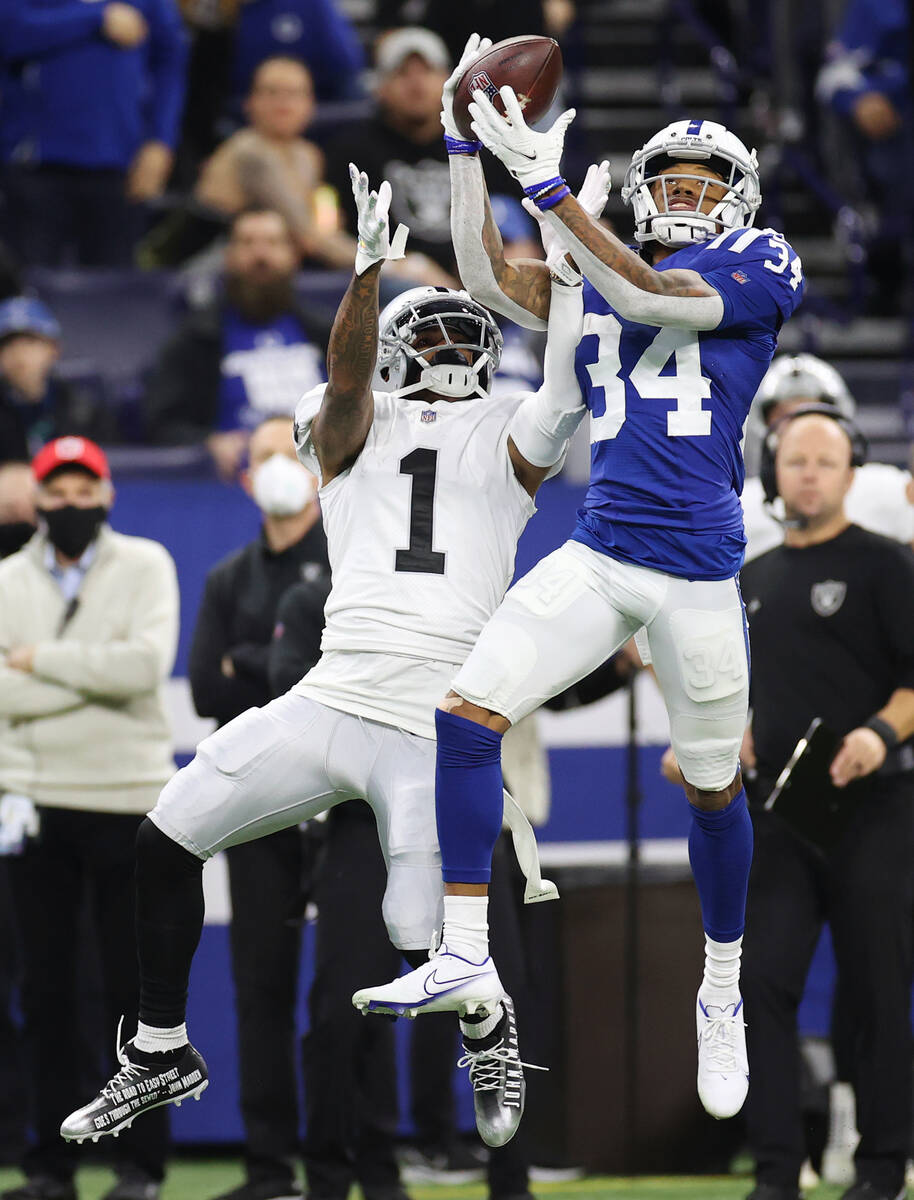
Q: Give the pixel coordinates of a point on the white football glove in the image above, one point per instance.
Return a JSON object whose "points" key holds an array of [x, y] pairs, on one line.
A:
{"points": [[474, 47], [592, 198], [532, 158], [375, 242]]}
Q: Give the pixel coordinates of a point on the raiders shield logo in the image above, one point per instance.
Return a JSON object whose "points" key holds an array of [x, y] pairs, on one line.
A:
{"points": [[827, 597]]}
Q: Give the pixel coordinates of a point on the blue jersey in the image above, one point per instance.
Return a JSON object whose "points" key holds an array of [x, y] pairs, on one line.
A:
{"points": [[668, 406]]}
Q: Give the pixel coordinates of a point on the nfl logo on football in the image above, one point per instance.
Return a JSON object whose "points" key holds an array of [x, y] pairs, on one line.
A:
{"points": [[482, 83]]}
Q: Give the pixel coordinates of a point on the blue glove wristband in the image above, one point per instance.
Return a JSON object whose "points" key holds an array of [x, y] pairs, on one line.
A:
{"points": [[537, 189], [551, 201], [457, 146]]}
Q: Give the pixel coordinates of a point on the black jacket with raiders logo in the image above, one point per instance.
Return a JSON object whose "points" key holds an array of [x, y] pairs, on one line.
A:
{"points": [[831, 631]]}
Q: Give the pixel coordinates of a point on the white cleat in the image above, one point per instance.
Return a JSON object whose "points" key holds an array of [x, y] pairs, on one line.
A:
{"points": [[723, 1065], [446, 983]]}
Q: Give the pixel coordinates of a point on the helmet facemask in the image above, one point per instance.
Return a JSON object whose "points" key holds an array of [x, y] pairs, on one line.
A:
{"points": [[441, 368]]}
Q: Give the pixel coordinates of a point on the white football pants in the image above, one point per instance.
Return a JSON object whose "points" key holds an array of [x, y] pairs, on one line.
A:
{"points": [[276, 766], [577, 607]]}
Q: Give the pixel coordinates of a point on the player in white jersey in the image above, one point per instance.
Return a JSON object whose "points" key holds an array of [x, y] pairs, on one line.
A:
{"points": [[881, 495], [424, 494]]}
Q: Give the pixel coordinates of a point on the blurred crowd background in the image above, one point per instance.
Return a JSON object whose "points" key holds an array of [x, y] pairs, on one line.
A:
{"points": [[139, 310]]}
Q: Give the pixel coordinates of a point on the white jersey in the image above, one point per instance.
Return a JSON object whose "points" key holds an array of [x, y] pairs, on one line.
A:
{"points": [[877, 501], [422, 531]]}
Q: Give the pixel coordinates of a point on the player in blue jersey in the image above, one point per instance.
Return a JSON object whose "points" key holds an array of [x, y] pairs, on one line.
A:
{"points": [[677, 334]]}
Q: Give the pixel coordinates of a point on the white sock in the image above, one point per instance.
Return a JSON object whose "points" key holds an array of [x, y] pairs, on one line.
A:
{"points": [[481, 1029], [466, 927], [720, 985], [151, 1040]]}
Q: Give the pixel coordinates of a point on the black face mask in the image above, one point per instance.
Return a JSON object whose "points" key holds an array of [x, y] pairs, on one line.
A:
{"points": [[13, 536], [71, 529]]}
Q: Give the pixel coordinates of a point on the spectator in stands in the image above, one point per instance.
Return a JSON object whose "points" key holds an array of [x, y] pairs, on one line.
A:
{"points": [[315, 31], [249, 354], [866, 80], [228, 672], [404, 144], [270, 164], [92, 98], [89, 626], [35, 405]]}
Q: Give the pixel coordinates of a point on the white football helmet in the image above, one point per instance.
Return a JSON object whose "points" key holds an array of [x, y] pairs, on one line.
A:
{"points": [[692, 141], [793, 377], [464, 324]]}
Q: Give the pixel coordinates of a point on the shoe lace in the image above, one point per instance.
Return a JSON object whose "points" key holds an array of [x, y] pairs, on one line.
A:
{"points": [[488, 1066], [719, 1036], [128, 1069]]}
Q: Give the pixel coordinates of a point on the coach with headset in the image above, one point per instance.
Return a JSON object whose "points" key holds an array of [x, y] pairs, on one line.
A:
{"points": [[831, 637]]}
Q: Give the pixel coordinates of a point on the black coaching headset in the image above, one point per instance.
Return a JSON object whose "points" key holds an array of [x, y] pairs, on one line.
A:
{"points": [[859, 445]]}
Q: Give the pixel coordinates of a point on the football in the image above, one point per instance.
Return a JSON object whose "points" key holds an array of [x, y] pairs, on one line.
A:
{"points": [[532, 66]]}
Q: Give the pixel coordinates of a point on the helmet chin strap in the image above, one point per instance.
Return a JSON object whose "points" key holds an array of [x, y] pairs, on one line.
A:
{"points": [[456, 381]]}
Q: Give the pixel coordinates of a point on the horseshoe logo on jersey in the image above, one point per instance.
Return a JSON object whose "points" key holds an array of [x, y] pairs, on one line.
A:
{"points": [[827, 597]]}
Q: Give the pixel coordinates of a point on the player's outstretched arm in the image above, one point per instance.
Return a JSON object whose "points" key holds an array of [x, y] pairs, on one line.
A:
{"points": [[519, 289], [347, 409], [681, 299], [543, 423]]}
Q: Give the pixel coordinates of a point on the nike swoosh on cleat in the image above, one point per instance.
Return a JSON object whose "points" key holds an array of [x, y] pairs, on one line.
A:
{"points": [[444, 985]]}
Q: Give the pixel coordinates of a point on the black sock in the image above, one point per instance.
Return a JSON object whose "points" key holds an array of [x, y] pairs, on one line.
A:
{"points": [[169, 920]]}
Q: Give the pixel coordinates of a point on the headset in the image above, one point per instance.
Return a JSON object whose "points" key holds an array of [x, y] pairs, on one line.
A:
{"points": [[767, 474]]}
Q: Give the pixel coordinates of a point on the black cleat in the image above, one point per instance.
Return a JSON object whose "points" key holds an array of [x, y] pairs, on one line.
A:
{"points": [[136, 1088], [497, 1076]]}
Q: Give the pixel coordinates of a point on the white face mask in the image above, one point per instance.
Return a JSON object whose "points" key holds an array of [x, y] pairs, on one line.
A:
{"points": [[282, 487]]}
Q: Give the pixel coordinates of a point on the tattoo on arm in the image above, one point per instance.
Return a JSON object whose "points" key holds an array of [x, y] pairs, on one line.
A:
{"points": [[625, 262], [525, 281], [346, 412]]}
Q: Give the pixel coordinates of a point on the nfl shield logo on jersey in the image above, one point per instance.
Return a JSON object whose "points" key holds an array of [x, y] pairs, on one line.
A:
{"points": [[827, 597], [427, 416]]}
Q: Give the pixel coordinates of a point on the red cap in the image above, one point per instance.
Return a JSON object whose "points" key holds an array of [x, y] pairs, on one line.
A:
{"points": [[70, 452]]}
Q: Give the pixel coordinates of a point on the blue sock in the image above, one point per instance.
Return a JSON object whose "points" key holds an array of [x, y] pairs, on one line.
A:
{"points": [[720, 851], [468, 797]]}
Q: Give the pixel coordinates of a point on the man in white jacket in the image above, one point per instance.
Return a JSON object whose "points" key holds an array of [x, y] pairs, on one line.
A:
{"points": [[88, 631]]}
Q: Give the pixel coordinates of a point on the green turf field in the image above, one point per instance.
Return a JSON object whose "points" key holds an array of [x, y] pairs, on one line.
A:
{"points": [[200, 1180]]}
